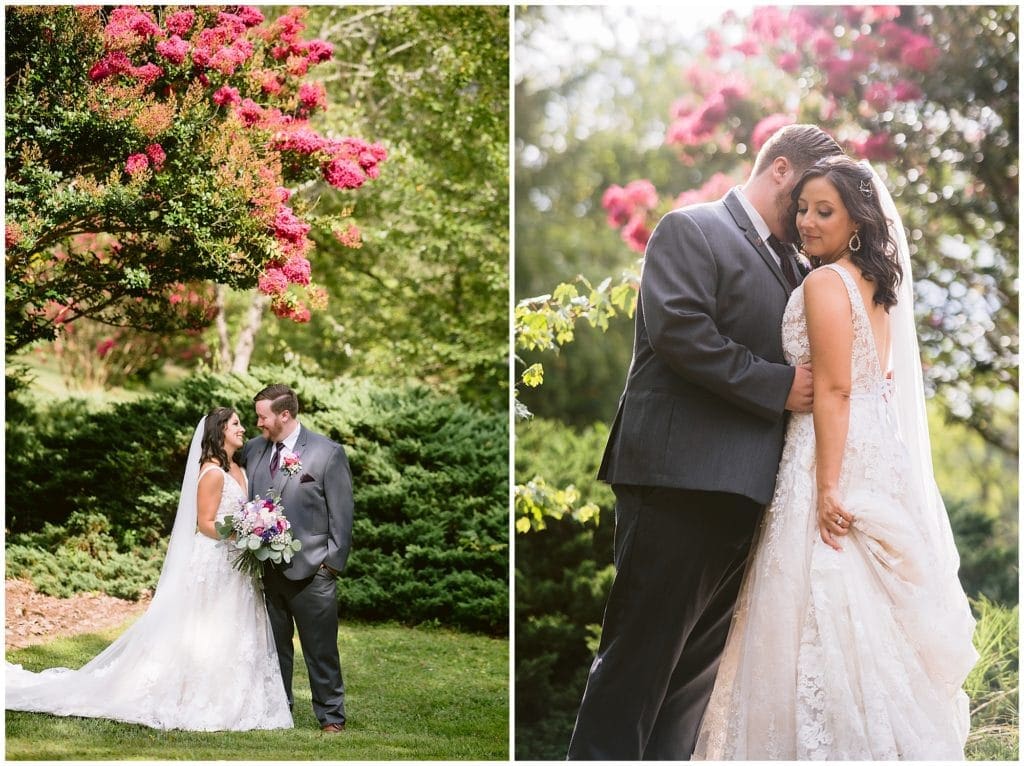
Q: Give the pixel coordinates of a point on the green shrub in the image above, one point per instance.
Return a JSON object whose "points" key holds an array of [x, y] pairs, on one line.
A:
{"points": [[430, 478], [563, 573], [993, 684], [82, 556]]}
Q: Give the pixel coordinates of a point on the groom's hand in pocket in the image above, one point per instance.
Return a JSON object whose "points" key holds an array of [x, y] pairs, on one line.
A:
{"points": [[801, 393]]}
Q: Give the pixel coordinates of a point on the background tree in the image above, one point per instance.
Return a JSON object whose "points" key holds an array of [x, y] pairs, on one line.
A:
{"points": [[148, 150]]}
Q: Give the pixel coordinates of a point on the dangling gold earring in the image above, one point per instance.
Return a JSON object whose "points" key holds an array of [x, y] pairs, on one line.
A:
{"points": [[855, 237]]}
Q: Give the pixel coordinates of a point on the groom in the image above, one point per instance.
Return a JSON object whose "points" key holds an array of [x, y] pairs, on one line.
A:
{"points": [[693, 453], [311, 475]]}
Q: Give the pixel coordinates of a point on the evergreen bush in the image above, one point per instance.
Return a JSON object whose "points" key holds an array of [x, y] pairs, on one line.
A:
{"points": [[430, 478]]}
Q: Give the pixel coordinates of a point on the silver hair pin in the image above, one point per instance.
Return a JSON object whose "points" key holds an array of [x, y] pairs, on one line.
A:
{"points": [[867, 189]]}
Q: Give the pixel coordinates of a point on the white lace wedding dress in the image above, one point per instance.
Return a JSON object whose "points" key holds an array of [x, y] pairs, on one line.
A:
{"points": [[210, 665], [852, 655]]}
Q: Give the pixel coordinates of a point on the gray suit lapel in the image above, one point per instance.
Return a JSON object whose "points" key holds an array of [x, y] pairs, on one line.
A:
{"points": [[735, 208]]}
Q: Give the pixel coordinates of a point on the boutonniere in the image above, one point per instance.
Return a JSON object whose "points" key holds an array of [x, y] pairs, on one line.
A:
{"points": [[290, 463], [803, 260]]}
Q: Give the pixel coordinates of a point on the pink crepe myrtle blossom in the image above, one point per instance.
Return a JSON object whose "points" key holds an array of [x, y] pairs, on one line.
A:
{"points": [[712, 189], [349, 237], [157, 155], [879, 95], [312, 95], [104, 347], [344, 174], [270, 81], [876, 146], [919, 53], [318, 51], [226, 95], [767, 126], [748, 47], [174, 49], [904, 90], [768, 23], [136, 163], [180, 23], [297, 66], [272, 282], [12, 234], [789, 62], [249, 112], [297, 271], [250, 15], [714, 47], [115, 62], [287, 226], [635, 233], [147, 73], [302, 140]]}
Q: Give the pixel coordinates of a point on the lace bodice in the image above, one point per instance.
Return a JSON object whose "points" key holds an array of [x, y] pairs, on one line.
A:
{"points": [[231, 495], [865, 370]]}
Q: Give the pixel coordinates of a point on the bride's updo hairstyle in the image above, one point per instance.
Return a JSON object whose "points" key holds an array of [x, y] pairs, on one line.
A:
{"points": [[876, 257], [212, 446]]}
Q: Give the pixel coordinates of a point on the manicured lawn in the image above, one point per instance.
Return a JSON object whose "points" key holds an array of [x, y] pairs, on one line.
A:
{"points": [[411, 694]]}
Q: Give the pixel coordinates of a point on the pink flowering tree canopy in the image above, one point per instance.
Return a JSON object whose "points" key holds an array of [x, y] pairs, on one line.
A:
{"points": [[154, 151]]}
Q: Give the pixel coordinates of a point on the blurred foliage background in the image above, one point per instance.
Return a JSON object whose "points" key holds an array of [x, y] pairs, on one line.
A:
{"points": [[610, 99]]}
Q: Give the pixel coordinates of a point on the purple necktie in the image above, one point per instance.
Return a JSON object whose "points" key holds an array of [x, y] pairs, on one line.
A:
{"points": [[785, 253], [276, 459]]}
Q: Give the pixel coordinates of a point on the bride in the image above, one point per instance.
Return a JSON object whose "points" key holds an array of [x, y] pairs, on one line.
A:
{"points": [[852, 635], [202, 657]]}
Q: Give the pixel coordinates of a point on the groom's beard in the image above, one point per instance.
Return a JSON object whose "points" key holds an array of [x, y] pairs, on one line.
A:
{"points": [[783, 203]]}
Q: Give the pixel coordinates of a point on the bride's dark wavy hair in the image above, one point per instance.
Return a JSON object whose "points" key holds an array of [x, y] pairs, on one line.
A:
{"points": [[876, 257], [212, 445]]}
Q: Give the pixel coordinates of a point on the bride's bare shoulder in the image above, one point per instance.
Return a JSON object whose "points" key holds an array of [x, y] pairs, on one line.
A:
{"points": [[205, 473]]}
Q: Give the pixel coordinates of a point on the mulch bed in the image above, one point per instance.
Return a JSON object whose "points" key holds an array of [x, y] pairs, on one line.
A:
{"points": [[34, 618]]}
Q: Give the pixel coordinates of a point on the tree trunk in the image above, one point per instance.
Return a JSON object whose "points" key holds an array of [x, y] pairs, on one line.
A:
{"points": [[247, 335], [224, 350]]}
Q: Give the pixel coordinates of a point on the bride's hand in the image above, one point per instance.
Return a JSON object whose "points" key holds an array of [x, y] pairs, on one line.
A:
{"points": [[833, 520]]}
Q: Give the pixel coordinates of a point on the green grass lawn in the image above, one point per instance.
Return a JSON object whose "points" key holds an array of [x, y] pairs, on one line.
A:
{"points": [[411, 694]]}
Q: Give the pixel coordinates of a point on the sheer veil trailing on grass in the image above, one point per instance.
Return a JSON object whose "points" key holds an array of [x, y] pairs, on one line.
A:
{"points": [[201, 657]]}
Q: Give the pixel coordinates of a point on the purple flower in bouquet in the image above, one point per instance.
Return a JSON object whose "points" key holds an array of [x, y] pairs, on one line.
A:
{"points": [[260, 532]]}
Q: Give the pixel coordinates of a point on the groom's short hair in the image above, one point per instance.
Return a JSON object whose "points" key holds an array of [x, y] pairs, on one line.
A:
{"points": [[802, 145], [281, 398]]}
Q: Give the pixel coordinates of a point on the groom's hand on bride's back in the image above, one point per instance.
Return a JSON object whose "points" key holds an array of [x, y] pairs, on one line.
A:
{"points": [[801, 393]]}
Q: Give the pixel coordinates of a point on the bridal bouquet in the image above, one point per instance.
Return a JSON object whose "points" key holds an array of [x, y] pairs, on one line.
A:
{"points": [[261, 533]]}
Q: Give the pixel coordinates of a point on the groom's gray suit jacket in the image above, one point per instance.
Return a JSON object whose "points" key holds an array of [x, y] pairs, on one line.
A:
{"points": [[703, 406], [317, 499]]}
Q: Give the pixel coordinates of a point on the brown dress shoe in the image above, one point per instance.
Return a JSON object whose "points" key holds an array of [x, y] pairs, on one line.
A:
{"points": [[332, 728]]}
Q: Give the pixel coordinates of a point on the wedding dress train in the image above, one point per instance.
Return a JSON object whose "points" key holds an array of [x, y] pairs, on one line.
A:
{"points": [[201, 658], [851, 655]]}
